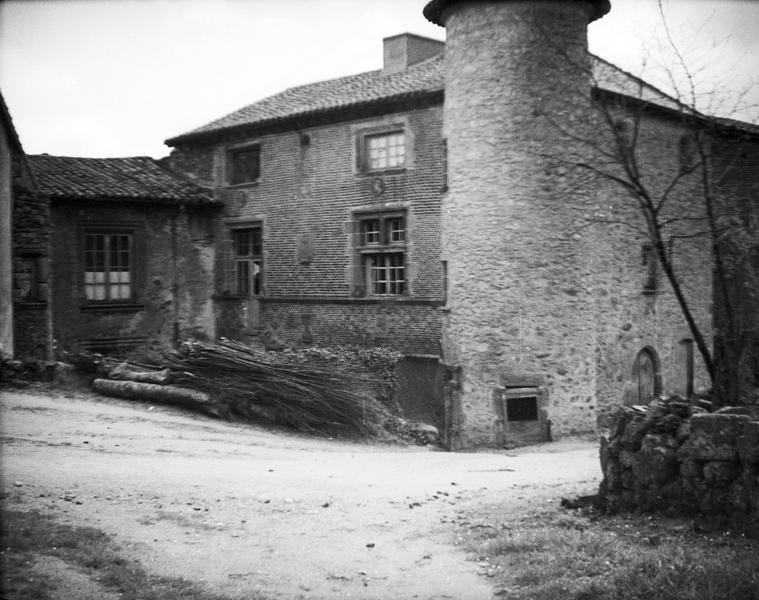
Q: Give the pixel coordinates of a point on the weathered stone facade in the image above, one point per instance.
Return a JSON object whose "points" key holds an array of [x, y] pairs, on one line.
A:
{"points": [[540, 288]]}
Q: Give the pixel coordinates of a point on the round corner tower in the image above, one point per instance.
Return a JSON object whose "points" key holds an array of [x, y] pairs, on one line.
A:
{"points": [[519, 323]]}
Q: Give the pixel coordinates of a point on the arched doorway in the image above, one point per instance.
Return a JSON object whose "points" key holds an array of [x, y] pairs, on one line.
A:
{"points": [[647, 375]]}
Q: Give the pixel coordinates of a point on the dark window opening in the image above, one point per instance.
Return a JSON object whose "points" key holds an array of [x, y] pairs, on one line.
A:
{"points": [[522, 408], [687, 152], [651, 262], [244, 165], [27, 277], [687, 367]]}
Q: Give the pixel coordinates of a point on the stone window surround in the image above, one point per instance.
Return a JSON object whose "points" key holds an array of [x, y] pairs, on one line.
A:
{"points": [[230, 225], [364, 130], [356, 274], [230, 149]]}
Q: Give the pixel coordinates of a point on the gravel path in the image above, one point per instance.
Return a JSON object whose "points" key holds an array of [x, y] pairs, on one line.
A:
{"points": [[247, 510]]}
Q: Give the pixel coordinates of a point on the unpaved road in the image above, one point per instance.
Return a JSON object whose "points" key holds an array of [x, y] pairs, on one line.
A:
{"points": [[247, 511]]}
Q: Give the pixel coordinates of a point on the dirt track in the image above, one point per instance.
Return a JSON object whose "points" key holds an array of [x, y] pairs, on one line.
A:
{"points": [[246, 510]]}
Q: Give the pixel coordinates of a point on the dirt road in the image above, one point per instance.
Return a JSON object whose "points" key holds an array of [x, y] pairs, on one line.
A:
{"points": [[245, 510]]}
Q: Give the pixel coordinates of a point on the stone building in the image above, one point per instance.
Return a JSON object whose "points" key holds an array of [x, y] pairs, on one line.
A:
{"points": [[25, 315], [436, 206], [134, 253]]}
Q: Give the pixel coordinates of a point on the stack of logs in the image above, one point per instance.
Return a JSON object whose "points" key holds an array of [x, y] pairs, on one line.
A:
{"points": [[153, 386], [675, 455]]}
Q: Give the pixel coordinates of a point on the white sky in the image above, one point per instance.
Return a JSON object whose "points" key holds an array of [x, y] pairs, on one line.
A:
{"points": [[117, 77]]}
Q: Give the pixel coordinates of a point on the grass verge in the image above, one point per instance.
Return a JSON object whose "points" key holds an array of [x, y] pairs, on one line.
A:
{"points": [[553, 553], [26, 536]]}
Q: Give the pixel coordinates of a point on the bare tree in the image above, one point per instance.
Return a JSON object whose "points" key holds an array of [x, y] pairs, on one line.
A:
{"points": [[715, 167]]}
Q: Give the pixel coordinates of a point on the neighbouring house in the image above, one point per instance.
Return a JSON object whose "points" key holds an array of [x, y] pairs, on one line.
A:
{"points": [[134, 253], [25, 301], [432, 206]]}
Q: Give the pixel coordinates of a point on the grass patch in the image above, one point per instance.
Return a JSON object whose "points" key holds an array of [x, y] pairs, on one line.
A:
{"points": [[553, 553], [27, 535]]}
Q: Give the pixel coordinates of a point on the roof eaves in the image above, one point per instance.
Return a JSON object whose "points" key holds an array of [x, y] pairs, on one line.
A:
{"points": [[294, 118], [173, 200]]}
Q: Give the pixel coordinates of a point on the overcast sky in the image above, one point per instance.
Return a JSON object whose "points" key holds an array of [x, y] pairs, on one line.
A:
{"points": [[116, 78]]}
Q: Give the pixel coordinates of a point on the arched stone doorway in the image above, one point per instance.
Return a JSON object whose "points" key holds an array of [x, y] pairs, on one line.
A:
{"points": [[647, 375]]}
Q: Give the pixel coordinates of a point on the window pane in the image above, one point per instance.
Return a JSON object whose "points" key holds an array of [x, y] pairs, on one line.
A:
{"points": [[396, 230], [386, 151], [245, 165], [243, 277], [386, 274], [256, 277], [107, 266], [242, 242], [247, 242], [255, 242], [370, 230]]}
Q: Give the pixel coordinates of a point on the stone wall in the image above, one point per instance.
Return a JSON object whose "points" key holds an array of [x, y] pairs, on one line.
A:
{"points": [[674, 455], [32, 295], [630, 313], [520, 296]]}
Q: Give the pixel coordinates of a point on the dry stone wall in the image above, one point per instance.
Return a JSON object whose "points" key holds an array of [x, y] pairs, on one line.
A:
{"points": [[674, 455]]}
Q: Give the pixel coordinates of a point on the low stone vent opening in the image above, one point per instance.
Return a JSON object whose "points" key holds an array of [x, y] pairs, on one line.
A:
{"points": [[522, 408], [522, 417]]}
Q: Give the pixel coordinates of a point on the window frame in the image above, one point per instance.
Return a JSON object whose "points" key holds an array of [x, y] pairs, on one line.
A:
{"points": [[255, 286], [363, 151], [378, 258], [230, 164], [133, 255]]}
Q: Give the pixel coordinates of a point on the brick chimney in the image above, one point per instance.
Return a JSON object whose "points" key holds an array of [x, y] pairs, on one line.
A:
{"points": [[406, 49]]}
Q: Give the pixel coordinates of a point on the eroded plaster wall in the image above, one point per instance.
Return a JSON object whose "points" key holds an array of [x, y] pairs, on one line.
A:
{"points": [[173, 277]]}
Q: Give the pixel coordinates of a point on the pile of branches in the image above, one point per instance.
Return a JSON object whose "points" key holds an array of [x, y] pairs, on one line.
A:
{"points": [[254, 385]]}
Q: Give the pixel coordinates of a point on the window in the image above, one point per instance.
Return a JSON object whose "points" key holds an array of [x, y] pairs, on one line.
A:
{"points": [[686, 367], [382, 247], [108, 268], [651, 262], [27, 275], [687, 152], [247, 249], [244, 165], [382, 151]]}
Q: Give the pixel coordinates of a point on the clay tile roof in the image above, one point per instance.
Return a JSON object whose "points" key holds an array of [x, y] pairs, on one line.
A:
{"points": [[420, 80], [139, 178]]}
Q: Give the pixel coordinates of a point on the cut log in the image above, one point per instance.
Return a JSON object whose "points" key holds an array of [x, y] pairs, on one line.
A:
{"points": [[160, 394], [124, 372]]}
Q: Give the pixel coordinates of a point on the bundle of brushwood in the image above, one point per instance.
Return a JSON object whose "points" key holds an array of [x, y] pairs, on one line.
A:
{"points": [[252, 384]]}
